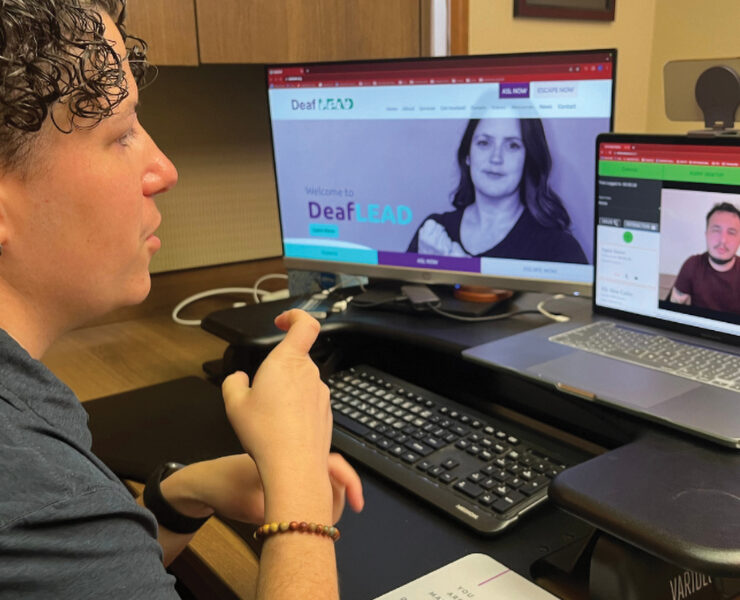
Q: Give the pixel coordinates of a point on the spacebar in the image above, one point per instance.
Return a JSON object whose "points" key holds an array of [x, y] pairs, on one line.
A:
{"points": [[349, 424]]}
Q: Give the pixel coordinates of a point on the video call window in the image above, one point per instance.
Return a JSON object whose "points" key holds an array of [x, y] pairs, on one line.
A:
{"points": [[668, 232]]}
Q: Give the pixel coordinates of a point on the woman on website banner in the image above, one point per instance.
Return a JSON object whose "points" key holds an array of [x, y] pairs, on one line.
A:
{"points": [[504, 206]]}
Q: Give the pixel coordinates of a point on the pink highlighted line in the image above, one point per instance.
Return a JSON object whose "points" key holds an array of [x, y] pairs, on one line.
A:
{"points": [[494, 577]]}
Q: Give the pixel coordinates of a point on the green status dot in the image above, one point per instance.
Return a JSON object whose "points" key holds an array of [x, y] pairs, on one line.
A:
{"points": [[628, 237]]}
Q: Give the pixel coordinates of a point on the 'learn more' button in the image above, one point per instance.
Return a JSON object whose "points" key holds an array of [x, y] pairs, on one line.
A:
{"points": [[324, 230]]}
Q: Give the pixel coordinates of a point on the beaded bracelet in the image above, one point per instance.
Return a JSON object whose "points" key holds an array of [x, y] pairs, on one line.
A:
{"points": [[268, 529]]}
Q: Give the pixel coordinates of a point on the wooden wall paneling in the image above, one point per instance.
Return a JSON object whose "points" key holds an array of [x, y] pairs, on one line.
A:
{"points": [[425, 27], [459, 25], [265, 31], [169, 27], [213, 124]]}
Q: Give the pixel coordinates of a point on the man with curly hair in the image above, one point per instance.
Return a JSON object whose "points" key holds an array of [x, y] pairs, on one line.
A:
{"points": [[78, 178]]}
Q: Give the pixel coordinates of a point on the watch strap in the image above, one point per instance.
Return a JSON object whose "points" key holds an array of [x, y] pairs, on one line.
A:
{"points": [[166, 515]]}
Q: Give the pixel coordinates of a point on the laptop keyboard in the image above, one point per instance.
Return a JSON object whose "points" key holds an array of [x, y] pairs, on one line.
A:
{"points": [[477, 469], [657, 352]]}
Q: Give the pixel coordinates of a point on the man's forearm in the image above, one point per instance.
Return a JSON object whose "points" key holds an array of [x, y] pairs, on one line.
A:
{"points": [[297, 565], [294, 564]]}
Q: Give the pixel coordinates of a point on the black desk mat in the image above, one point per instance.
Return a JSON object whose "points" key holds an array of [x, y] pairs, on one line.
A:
{"points": [[394, 540]]}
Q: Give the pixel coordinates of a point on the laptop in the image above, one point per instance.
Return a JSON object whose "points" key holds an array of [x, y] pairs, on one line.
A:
{"points": [[663, 338]]}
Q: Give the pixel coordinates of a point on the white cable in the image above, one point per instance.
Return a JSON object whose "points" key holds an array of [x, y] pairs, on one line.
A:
{"points": [[341, 305], [206, 294], [548, 314], [255, 293]]}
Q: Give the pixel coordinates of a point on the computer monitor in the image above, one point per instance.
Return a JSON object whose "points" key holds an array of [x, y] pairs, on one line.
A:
{"points": [[462, 170]]}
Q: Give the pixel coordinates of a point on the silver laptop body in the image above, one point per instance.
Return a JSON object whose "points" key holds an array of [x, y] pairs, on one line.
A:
{"points": [[652, 232]]}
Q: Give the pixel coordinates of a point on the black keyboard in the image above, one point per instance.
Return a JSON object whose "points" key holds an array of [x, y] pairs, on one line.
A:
{"points": [[471, 466]]}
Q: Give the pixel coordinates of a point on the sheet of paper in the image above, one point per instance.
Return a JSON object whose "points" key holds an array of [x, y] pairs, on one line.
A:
{"points": [[472, 577]]}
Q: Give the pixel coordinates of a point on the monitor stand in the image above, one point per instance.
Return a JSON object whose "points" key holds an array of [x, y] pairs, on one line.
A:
{"points": [[469, 301]]}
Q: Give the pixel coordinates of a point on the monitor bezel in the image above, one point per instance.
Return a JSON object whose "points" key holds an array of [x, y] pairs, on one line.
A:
{"points": [[432, 276]]}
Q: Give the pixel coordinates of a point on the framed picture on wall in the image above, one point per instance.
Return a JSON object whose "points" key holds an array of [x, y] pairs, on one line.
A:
{"points": [[600, 10]]}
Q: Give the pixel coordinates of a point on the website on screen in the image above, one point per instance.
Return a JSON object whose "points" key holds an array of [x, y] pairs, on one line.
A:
{"points": [[370, 164]]}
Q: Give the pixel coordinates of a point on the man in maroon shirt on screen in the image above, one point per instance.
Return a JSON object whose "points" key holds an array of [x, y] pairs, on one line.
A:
{"points": [[712, 280]]}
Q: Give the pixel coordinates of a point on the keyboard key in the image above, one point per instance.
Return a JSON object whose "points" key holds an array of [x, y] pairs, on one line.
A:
{"points": [[349, 424], [434, 442], [435, 471], [501, 489], [468, 488], [488, 483], [409, 457], [419, 448], [450, 464], [486, 499], [514, 482], [533, 486], [373, 437], [502, 505], [514, 497], [447, 477], [499, 475]]}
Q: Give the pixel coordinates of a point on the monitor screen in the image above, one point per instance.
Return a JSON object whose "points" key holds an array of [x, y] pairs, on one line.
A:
{"points": [[470, 170]]}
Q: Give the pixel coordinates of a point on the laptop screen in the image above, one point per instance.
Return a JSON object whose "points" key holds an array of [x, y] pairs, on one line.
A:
{"points": [[668, 230]]}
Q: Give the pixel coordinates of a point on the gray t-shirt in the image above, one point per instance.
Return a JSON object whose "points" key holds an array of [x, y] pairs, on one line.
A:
{"points": [[68, 526]]}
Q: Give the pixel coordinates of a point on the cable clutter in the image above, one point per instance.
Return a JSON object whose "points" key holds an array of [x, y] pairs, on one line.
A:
{"points": [[257, 296], [421, 298]]}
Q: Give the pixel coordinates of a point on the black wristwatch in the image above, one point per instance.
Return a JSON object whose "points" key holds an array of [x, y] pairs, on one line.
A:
{"points": [[163, 511]]}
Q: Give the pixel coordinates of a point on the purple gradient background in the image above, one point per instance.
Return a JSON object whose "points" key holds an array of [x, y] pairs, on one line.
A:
{"points": [[411, 162]]}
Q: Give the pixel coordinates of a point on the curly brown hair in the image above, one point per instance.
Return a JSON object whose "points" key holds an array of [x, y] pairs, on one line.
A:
{"points": [[55, 51]]}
